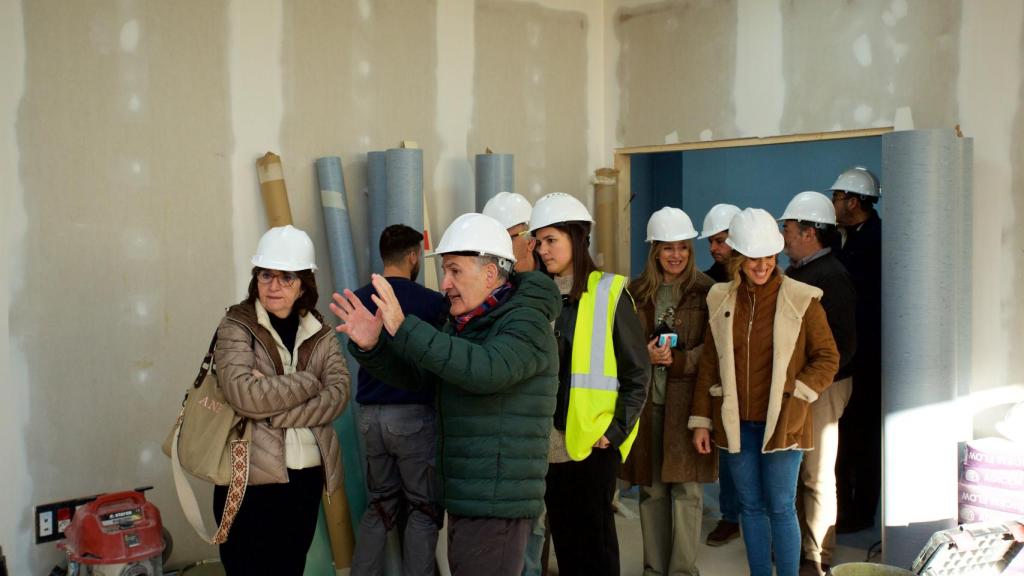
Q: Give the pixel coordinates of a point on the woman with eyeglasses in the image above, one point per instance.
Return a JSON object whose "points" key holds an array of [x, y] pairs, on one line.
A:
{"points": [[278, 363]]}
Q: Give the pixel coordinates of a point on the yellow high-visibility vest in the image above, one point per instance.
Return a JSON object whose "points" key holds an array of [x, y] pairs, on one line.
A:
{"points": [[594, 385]]}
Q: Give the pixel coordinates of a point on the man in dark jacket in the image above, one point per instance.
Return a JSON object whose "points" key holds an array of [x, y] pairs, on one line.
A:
{"points": [[859, 467], [716, 230], [495, 366], [399, 427], [809, 225]]}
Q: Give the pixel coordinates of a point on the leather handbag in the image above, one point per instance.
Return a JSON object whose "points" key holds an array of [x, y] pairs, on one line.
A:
{"points": [[211, 442]]}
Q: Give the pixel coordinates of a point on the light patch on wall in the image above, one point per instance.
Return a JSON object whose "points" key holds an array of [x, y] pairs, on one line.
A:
{"points": [[130, 36], [862, 114], [365, 10], [759, 91], [139, 244], [672, 137], [364, 68], [862, 50], [899, 50], [706, 135], [671, 24], [896, 12], [904, 119], [146, 456], [134, 103], [255, 66]]}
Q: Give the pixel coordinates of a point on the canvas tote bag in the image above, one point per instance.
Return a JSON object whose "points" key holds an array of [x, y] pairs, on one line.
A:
{"points": [[211, 442]]}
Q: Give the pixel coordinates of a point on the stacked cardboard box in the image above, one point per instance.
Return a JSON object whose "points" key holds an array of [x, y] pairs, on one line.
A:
{"points": [[992, 481]]}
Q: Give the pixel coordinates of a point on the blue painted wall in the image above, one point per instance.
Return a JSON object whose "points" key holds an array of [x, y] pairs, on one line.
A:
{"points": [[760, 176]]}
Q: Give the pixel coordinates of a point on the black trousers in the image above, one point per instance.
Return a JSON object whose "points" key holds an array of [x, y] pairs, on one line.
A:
{"points": [[274, 527], [579, 501], [859, 461]]}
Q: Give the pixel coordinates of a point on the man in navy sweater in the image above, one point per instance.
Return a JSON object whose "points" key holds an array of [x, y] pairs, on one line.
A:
{"points": [[399, 428]]}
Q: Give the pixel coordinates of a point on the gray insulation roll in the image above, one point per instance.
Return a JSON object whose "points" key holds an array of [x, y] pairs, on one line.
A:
{"points": [[494, 173], [405, 189], [337, 223], [923, 303], [377, 189]]}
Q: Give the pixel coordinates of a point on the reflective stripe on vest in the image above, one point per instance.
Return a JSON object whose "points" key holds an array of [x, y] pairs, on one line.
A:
{"points": [[594, 385]]}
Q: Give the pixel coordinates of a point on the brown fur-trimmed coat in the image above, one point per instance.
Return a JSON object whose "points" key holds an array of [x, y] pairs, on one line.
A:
{"points": [[680, 461]]}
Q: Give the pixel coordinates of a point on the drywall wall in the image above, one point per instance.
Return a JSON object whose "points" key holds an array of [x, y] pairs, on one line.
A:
{"points": [[837, 65], [515, 74], [128, 136]]}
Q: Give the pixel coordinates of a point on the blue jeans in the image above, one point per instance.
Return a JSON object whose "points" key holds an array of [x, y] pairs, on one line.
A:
{"points": [[728, 502], [766, 486]]}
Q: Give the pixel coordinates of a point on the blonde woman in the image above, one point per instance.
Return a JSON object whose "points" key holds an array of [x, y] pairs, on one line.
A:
{"points": [[671, 299], [767, 355]]}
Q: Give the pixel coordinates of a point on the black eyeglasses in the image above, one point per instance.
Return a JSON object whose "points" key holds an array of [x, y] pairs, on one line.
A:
{"points": [[285, 279]]}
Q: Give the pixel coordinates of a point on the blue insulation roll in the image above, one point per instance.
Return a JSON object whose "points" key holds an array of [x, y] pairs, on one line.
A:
{"points": [[494, 173], [924, 314], [405, 189], [344, 267], [377, 189]]}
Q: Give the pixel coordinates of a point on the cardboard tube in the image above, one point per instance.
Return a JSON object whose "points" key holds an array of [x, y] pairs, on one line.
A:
{"points": [[339, 528], [273, 190], [606, 217]]}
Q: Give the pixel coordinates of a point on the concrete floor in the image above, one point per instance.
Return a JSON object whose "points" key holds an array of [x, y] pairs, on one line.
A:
{"points": [[727, 560]]}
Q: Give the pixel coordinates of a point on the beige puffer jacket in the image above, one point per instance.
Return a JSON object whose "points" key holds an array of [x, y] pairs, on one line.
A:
{"points": [[311, 397]]}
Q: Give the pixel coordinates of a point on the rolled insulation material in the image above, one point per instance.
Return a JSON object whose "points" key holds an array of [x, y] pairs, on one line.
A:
{"points": [[377, 189], [340, 516], [922, 230], [494, 173], [337, 223], [606, 191], [273, 190], [405, 190]]}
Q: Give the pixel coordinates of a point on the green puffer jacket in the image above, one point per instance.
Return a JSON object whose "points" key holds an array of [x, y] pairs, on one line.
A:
{"points": [[496, 383]]}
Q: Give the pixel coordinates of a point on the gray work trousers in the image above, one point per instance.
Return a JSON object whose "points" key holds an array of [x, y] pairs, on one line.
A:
{"points": [[402, 482], [487, 546]]}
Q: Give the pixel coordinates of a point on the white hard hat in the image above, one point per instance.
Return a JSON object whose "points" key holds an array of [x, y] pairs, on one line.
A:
{"points": [[509, 209], [1012, 424], [669, 225], [811, 206], [285, 248], [857, 180], [556, 208], [717, 219], [755, 234], [477, 233]]}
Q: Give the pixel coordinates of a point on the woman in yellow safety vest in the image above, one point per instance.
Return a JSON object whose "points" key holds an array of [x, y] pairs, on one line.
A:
{"points": [[603, 375], [671, 296]]}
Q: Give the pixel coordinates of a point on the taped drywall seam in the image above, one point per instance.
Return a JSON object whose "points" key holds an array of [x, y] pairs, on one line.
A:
{"points": [[15, 499], [988, 89], [257, 109], [455, 31], [759, 90]]}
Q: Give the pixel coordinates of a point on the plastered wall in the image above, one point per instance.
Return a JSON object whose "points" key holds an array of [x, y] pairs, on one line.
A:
{"points": [[690, 70], [128, 132], [128, 135]]}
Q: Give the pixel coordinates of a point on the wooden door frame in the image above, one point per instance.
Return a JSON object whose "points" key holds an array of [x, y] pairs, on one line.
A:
{"points": [[623, 160]]}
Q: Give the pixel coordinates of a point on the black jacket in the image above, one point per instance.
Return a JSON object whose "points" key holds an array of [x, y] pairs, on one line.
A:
{"points": [[862, 257], [634, 366], [839, 301], [718, 272]]}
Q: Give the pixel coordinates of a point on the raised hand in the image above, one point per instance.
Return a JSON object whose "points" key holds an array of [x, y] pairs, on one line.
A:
{"points": [[387, 303], [361, 327]]}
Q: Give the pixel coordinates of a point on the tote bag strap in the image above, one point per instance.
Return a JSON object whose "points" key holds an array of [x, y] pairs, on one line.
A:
{"points": [[239, 473], [236, 490]]}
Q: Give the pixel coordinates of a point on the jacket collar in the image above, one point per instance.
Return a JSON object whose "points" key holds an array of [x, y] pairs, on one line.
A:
{"points": [[245, 314]]}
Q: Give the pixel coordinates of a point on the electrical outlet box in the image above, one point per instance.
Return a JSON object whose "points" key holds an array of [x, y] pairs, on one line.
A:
{"points": [[54, 518]]}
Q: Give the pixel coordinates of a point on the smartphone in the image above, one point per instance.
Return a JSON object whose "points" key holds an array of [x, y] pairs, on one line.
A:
{"points": [[670, 339]]}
